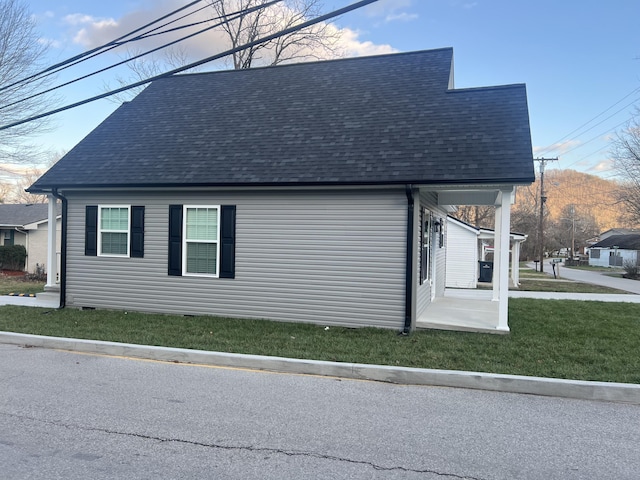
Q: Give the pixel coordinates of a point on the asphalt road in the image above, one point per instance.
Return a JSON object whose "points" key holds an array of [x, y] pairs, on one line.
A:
{"points": [[596, 278], [74, 416]]}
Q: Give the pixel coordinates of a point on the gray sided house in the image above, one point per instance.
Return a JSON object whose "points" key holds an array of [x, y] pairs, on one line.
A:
{"points": [[27, 224], [314, 192]]}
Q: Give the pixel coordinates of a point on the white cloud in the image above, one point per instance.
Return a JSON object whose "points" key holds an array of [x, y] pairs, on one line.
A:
{"points": [[602, 166], [382, 8], [356, 48], [556, 148], [98, 31], [80, 19], [403, 17]]}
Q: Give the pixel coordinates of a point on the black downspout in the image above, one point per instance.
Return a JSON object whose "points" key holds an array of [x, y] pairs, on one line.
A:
{"points": [[63, 248], [409, 265]]}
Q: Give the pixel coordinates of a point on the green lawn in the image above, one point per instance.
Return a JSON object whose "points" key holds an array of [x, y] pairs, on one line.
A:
{"points": [[562, 339], [552, 285], [17, 285]]}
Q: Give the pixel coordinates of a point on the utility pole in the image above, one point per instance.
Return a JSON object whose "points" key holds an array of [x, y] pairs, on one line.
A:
{"points": [[543, 199], [573, 231]]}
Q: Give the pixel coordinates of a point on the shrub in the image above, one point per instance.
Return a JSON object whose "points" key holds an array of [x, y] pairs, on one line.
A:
{"points": [[12, 257], [631, 269]]}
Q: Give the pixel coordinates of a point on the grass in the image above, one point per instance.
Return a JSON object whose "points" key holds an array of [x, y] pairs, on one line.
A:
{"points": [[19, 285], [552, 285], [592, 268], [562, 339]]}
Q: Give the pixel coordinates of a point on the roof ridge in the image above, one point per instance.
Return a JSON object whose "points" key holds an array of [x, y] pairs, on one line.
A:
{"points": [[315, 62]]}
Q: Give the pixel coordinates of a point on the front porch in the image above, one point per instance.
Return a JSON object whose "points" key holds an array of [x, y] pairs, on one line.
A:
{"points": [[463, 310]]}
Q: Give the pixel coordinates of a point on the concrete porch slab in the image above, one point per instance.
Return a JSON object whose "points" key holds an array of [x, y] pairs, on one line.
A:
{"points": [[462, 310]]}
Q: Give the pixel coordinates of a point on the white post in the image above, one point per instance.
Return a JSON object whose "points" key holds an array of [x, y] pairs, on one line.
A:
{"points": [[515, 263], [505, 226], [497, 248], [52, 261]]}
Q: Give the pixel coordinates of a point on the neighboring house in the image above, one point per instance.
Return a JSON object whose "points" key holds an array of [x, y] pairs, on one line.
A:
{"points": [[312, 192], [616, 251], [467, 246], [609, 233], [26, 224]]}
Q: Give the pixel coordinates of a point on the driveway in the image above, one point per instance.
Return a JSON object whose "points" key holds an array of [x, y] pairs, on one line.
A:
{"points": [[595, 278]]}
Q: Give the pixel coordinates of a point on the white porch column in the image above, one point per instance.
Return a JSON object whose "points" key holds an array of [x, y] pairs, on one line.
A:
{"points": [[497, 248], [502, 252], [515, 263], [52, 263]]}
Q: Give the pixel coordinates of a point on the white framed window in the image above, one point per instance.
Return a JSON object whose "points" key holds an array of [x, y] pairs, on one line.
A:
{"points": [[114, 229], [201, 240]]}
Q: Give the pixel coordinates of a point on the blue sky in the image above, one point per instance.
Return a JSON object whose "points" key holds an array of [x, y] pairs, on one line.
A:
{"points": [[578, 58]]}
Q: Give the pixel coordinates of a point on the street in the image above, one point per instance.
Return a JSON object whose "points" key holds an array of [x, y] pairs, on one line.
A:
{"points": [[75, 416]]}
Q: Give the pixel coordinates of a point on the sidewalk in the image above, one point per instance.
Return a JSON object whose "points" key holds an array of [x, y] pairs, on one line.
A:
{"points": [[44, 300]]}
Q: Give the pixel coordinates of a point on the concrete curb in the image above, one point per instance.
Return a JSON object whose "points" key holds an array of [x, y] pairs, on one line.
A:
{"points": [[598, 391]]}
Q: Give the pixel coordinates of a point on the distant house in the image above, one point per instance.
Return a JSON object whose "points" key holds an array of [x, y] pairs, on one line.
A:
{"points": [[467, 246], [26, 224], [313, 192], [616, 251]]}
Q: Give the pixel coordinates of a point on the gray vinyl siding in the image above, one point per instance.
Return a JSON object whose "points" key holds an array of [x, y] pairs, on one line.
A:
{"points": [[325, 257], [438, 255]]}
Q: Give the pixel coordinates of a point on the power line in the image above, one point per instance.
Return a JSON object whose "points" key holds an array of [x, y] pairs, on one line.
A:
{"points": [[228, 18], [231, 51], [551, 146], [50, 70]]}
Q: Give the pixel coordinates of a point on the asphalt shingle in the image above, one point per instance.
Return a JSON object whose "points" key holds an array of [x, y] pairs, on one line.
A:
{"points": [[368, 120]]}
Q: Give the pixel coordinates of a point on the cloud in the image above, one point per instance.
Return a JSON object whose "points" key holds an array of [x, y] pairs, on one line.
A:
{"points": [[50, 42], [556, 148], [98, 31], [602, 166], [81, 19], [382, 8], [403, 17], [356, 48]]}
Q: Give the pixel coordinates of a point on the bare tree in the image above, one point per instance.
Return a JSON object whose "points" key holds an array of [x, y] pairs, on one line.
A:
{"points": [[626, 157], [481, 216], [316, 42], [13, 190], [21, 55], [312, 43], [146, 67]]}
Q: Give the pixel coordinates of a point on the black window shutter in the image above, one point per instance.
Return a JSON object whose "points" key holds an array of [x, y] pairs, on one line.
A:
{"points": [[228, 241], [91, 230], [136, 242], [175, 240]]}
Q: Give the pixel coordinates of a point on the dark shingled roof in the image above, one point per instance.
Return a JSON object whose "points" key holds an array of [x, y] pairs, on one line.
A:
{"points": [[21, 214], [370, 120], [625, 242]]}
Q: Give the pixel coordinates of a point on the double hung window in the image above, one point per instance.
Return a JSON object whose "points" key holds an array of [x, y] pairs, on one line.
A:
{"points": [[113, 230], [201, 240]]}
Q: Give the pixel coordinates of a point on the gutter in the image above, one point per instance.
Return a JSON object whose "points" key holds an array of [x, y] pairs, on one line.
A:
{"points": [[408, 285], [63, 248]]}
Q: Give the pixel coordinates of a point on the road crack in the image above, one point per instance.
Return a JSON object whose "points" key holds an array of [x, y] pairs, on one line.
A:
{"points": [[245, 448]]}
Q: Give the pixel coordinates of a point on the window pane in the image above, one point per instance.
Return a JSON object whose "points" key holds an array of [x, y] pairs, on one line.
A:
{"points": [[202, 224], [114, 243], [114, 219], [201, 258]]}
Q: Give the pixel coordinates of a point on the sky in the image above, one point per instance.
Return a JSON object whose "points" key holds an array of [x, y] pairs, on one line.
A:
{"points": [[580, 59]]}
